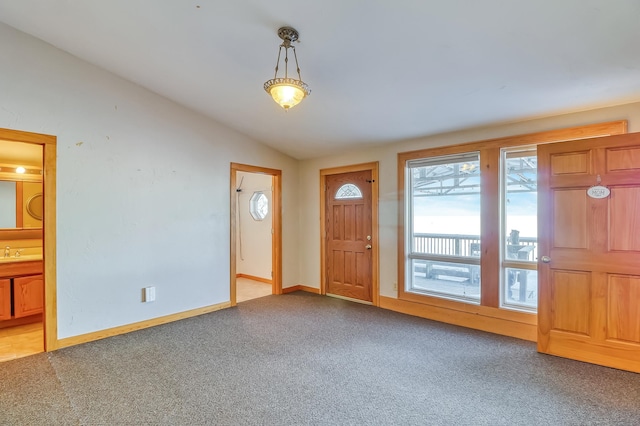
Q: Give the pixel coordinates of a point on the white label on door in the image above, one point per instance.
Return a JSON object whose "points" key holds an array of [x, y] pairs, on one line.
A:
{"points": [[598, 192]]}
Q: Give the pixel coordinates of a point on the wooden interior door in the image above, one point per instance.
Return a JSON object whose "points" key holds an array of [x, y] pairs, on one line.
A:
{"points": [[589, 274], [348, 228]]}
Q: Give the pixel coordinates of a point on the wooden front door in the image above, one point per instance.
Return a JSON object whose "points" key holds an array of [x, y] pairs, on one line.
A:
{"points": [[349, 235], [589, 271]]}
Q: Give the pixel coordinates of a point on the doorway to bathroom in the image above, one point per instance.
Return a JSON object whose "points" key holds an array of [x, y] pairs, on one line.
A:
{"points": [[27, 233], [256, 232]]}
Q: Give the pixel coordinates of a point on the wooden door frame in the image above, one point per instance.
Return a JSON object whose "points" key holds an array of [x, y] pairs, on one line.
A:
{"points": [[276, 224], [48, 143], [375, 245]]}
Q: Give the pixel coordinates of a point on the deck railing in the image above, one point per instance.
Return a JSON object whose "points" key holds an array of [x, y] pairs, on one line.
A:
{"points": [[464, 245]]}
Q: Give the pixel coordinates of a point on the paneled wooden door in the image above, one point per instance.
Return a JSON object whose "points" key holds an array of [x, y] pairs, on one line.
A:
{"points": [[589, 272], [348, 228]]}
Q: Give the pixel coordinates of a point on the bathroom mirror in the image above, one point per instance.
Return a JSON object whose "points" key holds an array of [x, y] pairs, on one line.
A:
{"points": [[7, 204], [21, 205]]}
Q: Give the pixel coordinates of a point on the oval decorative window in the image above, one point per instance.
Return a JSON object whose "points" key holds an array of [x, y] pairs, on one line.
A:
{"points": [[348, 190], [259, 205]]}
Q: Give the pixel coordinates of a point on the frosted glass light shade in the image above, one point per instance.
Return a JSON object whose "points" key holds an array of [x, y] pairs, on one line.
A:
{"points": [[287, 92], [287, 96]]}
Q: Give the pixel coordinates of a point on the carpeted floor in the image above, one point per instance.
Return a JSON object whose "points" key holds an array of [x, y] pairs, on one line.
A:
{"points": [[303, 359]]}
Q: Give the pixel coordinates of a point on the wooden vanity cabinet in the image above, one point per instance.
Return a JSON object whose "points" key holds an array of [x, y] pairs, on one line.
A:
{"points": [[21, 289], [28, 295], [5, 299]]}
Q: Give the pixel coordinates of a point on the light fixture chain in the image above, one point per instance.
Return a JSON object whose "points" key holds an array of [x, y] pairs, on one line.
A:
{"points": [[286, 61], [278, 62], [295, 55]]}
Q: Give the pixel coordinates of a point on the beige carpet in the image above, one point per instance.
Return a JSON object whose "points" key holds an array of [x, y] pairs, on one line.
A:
{"points": [[303, 359]]}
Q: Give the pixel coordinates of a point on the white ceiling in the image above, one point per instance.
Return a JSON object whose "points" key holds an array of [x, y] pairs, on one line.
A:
{"points": [[379, 70]]}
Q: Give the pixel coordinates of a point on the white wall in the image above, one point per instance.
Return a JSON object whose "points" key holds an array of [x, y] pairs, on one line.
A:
{"points": [[143, 188], [309, 197], [253, 248]]}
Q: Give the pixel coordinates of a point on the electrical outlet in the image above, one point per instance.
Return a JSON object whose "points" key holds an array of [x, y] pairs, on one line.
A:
{"points": [[395, 286], [148, 294]]}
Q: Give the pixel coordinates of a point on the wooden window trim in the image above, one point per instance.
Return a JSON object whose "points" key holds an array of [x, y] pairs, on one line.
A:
{"points": [[458, 312]]}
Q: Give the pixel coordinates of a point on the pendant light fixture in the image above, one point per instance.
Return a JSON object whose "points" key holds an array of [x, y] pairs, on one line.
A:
{"points": [[286, 91]]}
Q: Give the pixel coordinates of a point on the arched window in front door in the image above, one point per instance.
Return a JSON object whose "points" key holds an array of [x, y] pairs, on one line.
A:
{"points": [[348, 191]]}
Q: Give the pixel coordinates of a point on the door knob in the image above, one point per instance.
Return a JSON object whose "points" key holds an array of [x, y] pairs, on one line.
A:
{"points": [[545, 259], [368, 246]]}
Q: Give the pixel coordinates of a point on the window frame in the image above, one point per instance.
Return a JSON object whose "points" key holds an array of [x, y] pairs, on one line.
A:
{"points": [[488, 315], [411, 255], [255, 207], [506, 263]]}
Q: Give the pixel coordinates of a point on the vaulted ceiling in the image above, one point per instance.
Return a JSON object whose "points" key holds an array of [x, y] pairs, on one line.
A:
{"points": [[379, 70]]}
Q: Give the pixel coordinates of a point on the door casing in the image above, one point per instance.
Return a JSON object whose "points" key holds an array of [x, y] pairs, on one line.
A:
{"points": [[48, 143], [276, 217], [373, 166]]}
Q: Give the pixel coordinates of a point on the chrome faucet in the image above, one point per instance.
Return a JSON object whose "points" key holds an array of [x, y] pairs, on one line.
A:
{"points": [[7, 251]]}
